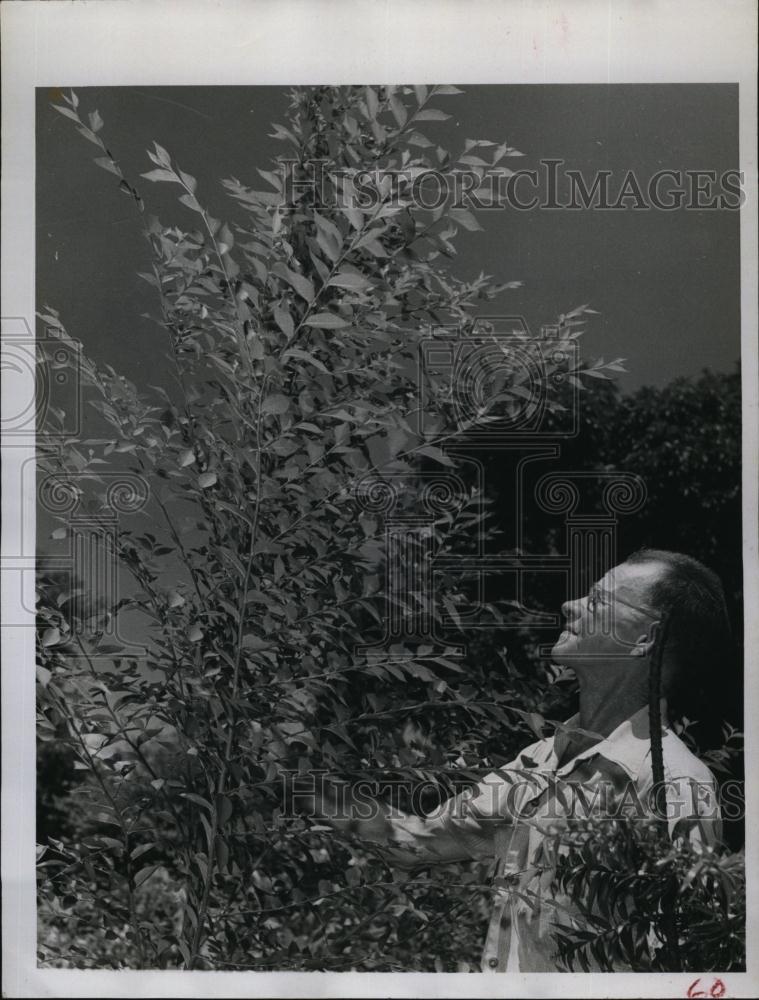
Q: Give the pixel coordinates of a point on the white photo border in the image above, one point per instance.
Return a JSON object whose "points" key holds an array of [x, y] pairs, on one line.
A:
{"points": [[281, 42]]}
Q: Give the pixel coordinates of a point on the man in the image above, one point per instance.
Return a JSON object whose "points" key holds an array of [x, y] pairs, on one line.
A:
{"points": [[610, 642]]}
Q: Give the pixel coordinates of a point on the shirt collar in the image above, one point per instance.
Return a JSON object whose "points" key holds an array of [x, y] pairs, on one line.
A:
{"points": [[627, 745]]}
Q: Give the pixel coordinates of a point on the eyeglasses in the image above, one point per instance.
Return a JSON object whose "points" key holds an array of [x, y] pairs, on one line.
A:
{"points": [[597, 596]]}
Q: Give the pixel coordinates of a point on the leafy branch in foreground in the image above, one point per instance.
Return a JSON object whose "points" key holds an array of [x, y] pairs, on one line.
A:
{"points": [[644, 902]]}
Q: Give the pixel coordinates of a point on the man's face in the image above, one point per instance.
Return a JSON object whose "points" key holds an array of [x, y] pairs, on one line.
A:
{"points": [[611, 619]]}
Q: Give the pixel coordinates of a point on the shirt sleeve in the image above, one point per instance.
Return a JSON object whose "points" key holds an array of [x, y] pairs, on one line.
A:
{"points": [[464, 826]]}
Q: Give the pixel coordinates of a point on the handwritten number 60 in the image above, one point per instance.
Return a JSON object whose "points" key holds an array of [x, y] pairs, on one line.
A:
{"points": [[718, 989]]}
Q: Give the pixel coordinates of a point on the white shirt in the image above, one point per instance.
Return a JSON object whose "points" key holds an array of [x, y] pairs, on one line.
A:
{"points": [[508, 816]]}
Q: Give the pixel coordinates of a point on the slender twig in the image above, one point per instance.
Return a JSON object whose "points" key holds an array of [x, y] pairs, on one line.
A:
{"points": [[221, 782]]}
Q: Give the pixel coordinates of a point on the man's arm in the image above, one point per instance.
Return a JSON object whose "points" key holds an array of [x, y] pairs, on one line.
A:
{"points": [[462, 828]]}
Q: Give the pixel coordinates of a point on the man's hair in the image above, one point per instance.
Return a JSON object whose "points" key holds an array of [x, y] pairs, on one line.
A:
{"points": [[698, 637]]}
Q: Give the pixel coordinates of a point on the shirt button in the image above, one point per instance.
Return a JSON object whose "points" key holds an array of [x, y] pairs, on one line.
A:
{"points": [[493, 963]]}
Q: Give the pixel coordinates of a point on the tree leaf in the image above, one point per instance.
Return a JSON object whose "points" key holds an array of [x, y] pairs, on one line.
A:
{"points": [[67, 112], [161, 155], [107, 164], [223, 808], [189, 181], [191, 202], [144, 875], [117, 845], [465, 218], [206, 479], [222, 853], [254, 642], [198, 800], [398, 110], [431, 115], [275, 403], [50, 637], [348, 279], [283, 319], [160, 175], [295, 352], [329, 237], [326, 321], [417, 139], [301, 284], [143, 848]]}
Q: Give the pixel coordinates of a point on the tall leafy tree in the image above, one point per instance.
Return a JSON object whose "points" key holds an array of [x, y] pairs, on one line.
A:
{"points": [[294, 336]]}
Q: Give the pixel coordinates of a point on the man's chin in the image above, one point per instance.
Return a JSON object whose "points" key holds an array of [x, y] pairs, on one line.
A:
{"points": [[563, 646]]}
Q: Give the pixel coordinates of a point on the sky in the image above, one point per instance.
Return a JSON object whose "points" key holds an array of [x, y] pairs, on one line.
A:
{"points": [[665, 284]]}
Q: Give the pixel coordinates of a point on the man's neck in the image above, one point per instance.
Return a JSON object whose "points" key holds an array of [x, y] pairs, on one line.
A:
{"points": [[601, 710], [603, 707]]}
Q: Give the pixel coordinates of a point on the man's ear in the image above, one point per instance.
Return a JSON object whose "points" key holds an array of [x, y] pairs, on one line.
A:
{"points": [[644, 644]]}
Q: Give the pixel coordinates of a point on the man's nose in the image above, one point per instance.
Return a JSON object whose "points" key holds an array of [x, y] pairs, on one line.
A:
{"points": [[570, 609]]}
